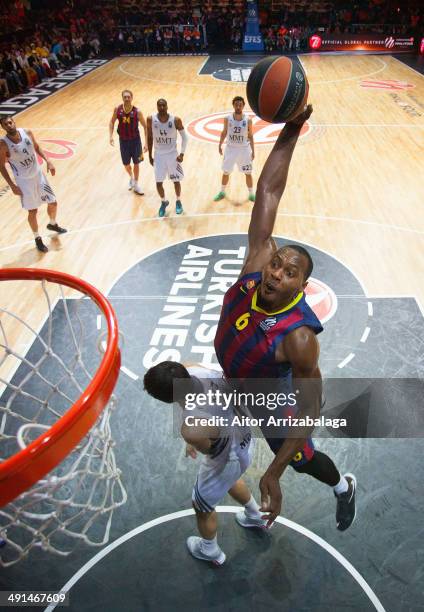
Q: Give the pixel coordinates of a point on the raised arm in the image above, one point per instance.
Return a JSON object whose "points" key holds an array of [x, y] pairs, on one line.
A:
{"points": [[112, 124], [270, 188], [223, 135]]}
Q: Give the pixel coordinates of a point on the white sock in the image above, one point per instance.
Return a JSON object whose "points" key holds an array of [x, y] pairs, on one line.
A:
{"points": [[223, 188], [36, 234], [251, 190], [209, 547], [342, 486], [252, 508], [52, 221]]}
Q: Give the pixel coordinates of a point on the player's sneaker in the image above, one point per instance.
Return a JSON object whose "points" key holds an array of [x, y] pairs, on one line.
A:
{"points": [[194, 544], [252, 197], [131, 184], [219, 196], [40, 245], [249, 521], [178, 207], [137, 189], [54, 227], [346, 507], [162, 208]]}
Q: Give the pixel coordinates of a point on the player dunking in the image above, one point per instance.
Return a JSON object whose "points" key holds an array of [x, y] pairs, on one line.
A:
{"points": [[267, 330], [240, 148], [129, 117], [19, 148], [162, 133]]}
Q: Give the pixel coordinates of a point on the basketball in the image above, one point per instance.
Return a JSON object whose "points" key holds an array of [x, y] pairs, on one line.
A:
{"points": [[277, 89]]}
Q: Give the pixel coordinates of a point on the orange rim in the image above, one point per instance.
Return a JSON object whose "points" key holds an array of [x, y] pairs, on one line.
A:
{"points": [[25, 468]]}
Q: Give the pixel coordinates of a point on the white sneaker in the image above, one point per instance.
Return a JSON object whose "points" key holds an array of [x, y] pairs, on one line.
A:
{"points": [[131, 184], [249, 521], [194, 544], [137, 188]]}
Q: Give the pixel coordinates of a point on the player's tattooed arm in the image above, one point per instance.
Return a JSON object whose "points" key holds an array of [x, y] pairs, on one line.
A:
{"points": [[150, 138], [3, 170], [144, 126], [270, 188], [112, 124], [180, 128], [42, 154], [223, 135]]}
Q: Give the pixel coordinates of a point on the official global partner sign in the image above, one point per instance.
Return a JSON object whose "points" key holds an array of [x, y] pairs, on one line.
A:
{"points": [[361, 42]]}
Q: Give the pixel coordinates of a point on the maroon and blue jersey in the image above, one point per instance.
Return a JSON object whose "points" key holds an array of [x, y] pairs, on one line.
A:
{"points": [[247, 336], [127, 123]]}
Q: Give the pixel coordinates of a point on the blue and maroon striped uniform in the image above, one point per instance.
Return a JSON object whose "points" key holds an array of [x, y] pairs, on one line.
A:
{"points": [[127, 123], [247, 338]]}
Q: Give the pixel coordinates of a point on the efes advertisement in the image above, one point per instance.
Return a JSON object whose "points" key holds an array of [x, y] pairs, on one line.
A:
{"points": [[361, 42]]}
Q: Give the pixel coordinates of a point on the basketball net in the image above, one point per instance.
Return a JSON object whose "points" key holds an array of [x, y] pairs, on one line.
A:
{"points": [[75, 501]]}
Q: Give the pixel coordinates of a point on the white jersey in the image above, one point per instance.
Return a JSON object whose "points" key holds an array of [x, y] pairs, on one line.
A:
{"points": [[23, 157], [164, 135], [237, 132], [235, 439]]}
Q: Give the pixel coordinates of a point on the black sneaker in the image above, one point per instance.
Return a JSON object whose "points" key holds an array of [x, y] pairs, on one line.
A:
{"points": [[56, 228], [346, 508], [40, 245]]}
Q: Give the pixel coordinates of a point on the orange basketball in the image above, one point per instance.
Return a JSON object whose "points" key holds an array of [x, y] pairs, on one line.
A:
{"points": [[277, 89]]}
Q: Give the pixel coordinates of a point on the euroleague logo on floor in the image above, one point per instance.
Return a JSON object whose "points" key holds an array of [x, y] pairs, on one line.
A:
{"points": [[62, 149], [208, 128]]}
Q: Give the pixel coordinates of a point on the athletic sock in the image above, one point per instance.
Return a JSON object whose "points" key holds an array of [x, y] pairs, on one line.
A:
{"points": [[36, 234], [223, 188], [252, 508], [251, 190], [342, 486], [52, 221], [209, 547]]}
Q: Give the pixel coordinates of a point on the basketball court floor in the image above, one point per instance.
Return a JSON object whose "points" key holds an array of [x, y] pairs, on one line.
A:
{"points": [[354, 198]]}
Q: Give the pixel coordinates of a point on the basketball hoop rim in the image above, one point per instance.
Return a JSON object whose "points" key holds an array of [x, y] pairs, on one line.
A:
{"points": [[25, 468]]}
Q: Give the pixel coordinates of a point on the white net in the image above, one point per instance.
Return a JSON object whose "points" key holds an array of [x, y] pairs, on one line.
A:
{"points": [[75, 502]]}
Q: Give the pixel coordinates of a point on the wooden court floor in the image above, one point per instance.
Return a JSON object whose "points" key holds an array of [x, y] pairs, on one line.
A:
{"points": [[355, 188]]}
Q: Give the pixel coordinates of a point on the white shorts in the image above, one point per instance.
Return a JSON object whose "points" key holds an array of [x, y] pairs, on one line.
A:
{"points": [[242, 156], [35, 191], [215, 478], [166, 164]]}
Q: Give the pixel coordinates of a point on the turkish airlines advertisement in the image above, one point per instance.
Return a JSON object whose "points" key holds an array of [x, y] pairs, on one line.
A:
{"points": [[360, 42]]}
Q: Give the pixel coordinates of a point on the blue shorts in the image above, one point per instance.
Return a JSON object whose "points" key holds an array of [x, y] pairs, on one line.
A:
{"points": [[301, 458], [131, 150]]}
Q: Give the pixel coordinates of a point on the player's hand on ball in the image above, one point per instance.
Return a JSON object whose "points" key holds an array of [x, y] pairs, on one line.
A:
{"points": [[51, 168], [303, 116], [271, 497], [190, 451]]}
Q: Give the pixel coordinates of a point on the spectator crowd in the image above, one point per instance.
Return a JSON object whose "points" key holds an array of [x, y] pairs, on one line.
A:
{"points": [[39, 43]]}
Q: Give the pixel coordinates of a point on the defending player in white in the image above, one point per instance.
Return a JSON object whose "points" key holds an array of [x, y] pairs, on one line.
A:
{"points": [[162, 131], [19, 148], [227, 454], [240, 148]]}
